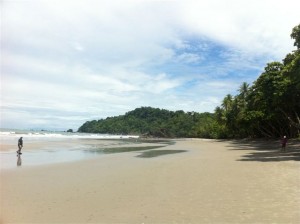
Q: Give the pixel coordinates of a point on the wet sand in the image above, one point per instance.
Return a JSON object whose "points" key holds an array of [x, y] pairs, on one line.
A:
{"points": [[211, 182]]}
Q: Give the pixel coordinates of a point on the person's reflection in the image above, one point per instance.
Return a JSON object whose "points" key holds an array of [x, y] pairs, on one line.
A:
{"points": [[19, 160]]}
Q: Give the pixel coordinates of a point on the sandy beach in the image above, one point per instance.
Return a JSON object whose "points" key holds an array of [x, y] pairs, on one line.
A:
{"points": [[211, 182]]}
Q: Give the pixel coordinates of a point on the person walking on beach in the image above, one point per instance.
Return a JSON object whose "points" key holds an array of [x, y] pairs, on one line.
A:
{"points": [[20, 145], [283, 143]]}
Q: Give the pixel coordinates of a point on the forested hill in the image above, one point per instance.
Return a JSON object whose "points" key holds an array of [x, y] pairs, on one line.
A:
{"points": [[156, 122]]}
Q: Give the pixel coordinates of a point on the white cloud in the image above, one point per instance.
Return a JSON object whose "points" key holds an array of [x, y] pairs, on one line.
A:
{"points": [[188, 58], [77, 46], [257, 26]]}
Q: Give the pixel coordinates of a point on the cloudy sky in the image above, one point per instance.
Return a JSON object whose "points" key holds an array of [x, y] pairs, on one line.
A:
{"points": [[64, 62]]}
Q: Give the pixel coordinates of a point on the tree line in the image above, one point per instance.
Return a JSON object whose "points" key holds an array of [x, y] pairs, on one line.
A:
{"points": [[270, 107]]}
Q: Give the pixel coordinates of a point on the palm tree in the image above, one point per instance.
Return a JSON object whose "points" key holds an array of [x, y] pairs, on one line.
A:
{"points": [[227, 102]]}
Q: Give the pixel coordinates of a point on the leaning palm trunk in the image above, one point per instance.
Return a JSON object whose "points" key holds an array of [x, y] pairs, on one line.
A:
{"points": [[295, 124]]}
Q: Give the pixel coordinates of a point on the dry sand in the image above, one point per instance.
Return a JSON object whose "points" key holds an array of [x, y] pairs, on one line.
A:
{"points": [[213, 182]]}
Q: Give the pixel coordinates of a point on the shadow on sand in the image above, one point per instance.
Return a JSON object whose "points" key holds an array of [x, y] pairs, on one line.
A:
{"points": [[156, 153], [267, 150]]}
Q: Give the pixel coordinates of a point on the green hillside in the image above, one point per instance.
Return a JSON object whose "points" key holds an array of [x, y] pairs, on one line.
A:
{"points": [[156, 122]]}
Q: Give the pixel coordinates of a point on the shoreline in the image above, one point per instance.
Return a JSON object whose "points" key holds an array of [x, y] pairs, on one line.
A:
{"points": [[212, 182]]}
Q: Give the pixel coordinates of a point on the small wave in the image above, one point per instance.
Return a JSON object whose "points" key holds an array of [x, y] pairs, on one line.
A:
{"points": [[7, 132], [37, 135]]}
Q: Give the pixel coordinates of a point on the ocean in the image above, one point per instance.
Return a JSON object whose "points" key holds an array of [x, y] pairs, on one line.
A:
{"points": [[12, 134]]}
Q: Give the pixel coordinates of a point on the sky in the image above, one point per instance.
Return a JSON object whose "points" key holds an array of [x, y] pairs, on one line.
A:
{"points": [[65, 62]]}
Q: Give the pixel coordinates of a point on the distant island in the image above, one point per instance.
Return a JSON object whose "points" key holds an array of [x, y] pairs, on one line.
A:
{"points": [[270, 107], [155, 122]]}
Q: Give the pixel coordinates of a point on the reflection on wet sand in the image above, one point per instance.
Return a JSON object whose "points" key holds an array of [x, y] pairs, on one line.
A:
{"points": [[19, 160]]}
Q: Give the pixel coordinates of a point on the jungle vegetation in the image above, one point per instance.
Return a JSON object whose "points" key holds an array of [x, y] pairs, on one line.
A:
{"points": [[271, 106], [156, 122]]}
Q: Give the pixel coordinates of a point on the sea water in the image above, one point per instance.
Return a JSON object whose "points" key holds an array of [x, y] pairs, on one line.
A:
{"points": [[57, 151], [12, 134]]}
